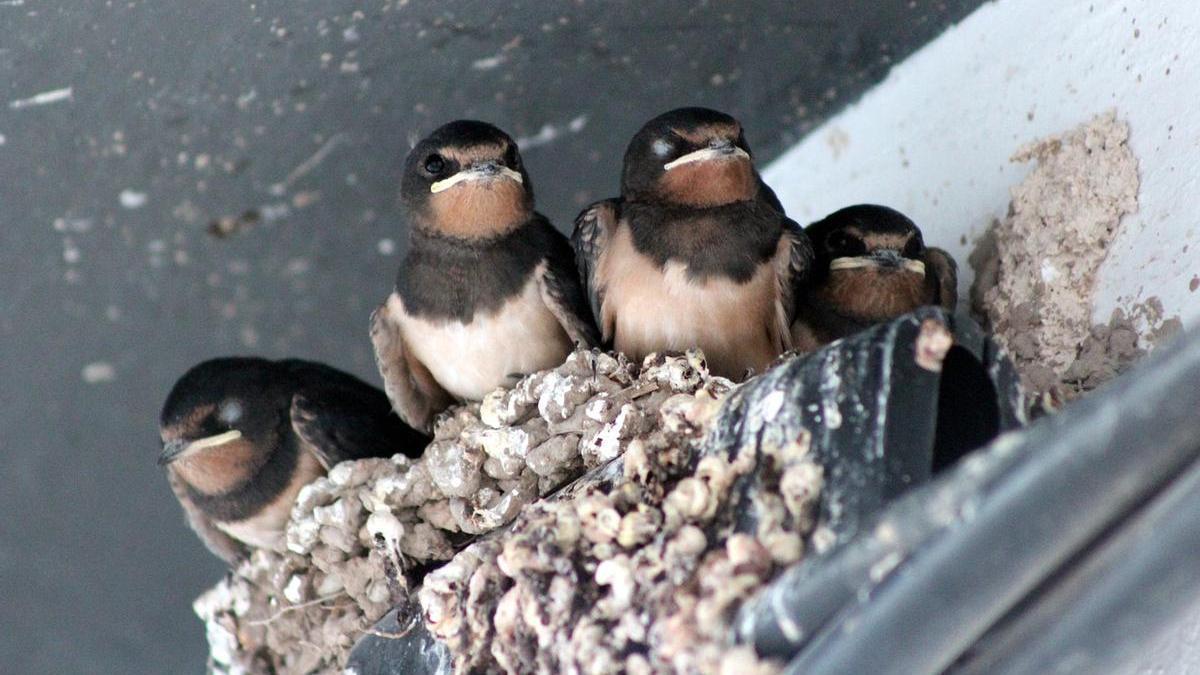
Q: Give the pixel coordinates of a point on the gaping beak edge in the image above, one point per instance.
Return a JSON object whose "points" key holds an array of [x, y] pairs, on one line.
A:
{"points": [[708, 154], [867, 261], [180, 448], [476, 172]]}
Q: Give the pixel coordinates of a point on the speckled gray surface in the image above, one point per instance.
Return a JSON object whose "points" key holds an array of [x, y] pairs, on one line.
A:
{"points": [[131, 134]]}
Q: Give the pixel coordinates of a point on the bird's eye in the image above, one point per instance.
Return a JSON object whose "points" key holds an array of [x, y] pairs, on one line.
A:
{"points": [[434, 164], [661, 148], [512, 158], [230, 413], [844, 244], [741, 141], [913, 248]]}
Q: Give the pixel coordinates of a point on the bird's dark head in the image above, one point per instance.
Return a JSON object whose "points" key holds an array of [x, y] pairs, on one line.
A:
{"points": [[691, 156], [467, 180], [867, 237], [222, 420], [869, 261]]}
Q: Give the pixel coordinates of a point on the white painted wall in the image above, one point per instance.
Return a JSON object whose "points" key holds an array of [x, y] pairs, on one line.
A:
{"points": [[934, 139]]}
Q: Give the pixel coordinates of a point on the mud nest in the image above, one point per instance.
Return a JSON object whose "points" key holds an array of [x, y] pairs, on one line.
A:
{"points": [[1036, 270], [638, 538]]}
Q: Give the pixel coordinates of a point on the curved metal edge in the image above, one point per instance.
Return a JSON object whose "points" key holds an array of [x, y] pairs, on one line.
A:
{"points": [[1068, 478], [784, 617], [1099, 612]]}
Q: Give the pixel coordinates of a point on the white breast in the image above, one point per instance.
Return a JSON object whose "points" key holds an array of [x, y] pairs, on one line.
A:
{"points": [[265, 530], [470, 360], [654, 309]]}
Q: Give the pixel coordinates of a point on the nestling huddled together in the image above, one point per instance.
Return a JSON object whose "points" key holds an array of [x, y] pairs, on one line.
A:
{"points": [[695, 252]]}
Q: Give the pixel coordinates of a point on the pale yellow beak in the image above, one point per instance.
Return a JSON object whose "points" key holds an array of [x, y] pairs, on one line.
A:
{"points": [[866, 261], [707, 155], [486, 171], [177, 450]]}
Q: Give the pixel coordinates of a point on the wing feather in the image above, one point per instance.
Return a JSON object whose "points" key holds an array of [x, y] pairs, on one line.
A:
{"points": [[794, 266], [941, 274], [558, 281], [415, 396], [594, 228]]}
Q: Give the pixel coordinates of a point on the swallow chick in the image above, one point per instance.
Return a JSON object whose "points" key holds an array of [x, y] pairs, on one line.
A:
{"points": [[487, 291], [696, 252], [871, 265], [241, 436]]}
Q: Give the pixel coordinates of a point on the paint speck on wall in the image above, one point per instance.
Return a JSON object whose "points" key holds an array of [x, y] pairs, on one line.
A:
{"points": [[489, 63], [550, 133], [77, 225], [99, 372], [132, 199], [44, 98], [71, 253], [838, 140]]}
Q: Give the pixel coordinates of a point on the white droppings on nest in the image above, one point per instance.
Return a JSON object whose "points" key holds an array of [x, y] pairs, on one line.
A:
{"points": [[639, 571], [771, 405], [830, 388], [354, 533], [933, 343]]}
